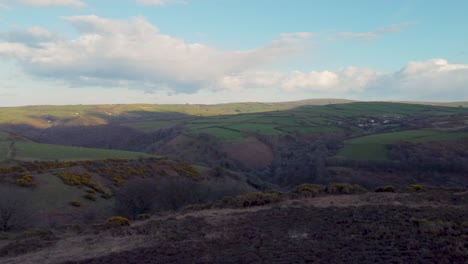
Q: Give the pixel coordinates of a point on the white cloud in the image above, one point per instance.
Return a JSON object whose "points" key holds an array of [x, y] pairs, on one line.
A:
{"points": [[30, 37], [431, 80], [350, 79], [160, 2], [112, 52], [434, 79], [3, 7], [74, 3], [134, 54], [372, 35]]}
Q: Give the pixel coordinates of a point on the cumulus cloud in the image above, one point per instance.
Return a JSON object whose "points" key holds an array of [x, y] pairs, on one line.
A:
{"points": [[74, 3], [136, 52], [372, 35], [160, 2], [434, 79], [30, 37], [350, 79]]}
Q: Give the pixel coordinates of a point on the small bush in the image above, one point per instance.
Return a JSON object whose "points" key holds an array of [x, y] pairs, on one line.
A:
{"points": [[75, 179], [75, 203], [26, 180], [118, 181], [106, 196], [415, 187], [388, 188], [39, 232], [253, 199], [143, 216], [15, 209], [197, 207], [187, 169], [80, 180], [117, 221], [309, 190], [90, 196], [345, 188]]}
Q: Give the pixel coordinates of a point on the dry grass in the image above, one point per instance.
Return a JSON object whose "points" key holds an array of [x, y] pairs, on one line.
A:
{"points": [[93, 243]]}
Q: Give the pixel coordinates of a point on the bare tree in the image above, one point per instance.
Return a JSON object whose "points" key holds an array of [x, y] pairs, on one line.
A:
{"points": [[136, 197], [148, 195], [15, 211]]}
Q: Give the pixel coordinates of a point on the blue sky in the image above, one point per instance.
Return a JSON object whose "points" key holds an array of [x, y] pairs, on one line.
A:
{"points": [[206, 51]]}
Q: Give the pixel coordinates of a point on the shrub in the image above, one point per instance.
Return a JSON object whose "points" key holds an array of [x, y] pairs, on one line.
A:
{"points": [[106, 196], [186, 169], [80, 180], [26, 180], [118, 181], [90, 196], [142, 196], [136, 197], [309, 190], [197, 207], [143, 216], [388, 188], [345, 188], [117, 221], [75, 203], [15, 209], [39, 232], [416, 187], [253, 199], [72, 179]]}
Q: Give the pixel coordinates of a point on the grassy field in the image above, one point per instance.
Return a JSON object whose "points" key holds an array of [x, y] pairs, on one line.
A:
{"points": [[221, 133], [3, 150], [37, 151], [375, 146], [227, 121], [53, 195], [316, 119], [39, 116], [410, 136]]}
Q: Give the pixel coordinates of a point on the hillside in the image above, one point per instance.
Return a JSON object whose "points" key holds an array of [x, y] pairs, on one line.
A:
{"points": [[16, 148], [232, 178], [283, 144], [79, 115], [405, 227]]}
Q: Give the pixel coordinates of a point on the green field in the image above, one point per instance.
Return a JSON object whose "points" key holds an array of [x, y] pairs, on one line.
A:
{"points": [[316, 119], [375, 146], [310, 129], [4, 150], [305, 117], [39, 116], [37, 151], [221, 133]]}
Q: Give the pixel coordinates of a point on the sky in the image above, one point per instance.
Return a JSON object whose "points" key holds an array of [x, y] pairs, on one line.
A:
{"points": [[213, 51]]}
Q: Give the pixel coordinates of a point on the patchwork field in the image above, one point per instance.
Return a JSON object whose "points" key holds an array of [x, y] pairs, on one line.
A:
{"points": [[24, 150], [365, 128], [376, 146]]}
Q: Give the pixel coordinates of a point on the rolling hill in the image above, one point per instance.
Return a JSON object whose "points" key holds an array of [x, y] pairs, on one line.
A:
{"points": [[73, 165], [13, 149], [250, 138]]}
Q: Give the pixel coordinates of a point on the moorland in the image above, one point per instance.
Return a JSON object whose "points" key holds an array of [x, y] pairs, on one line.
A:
{"points": [[137, 183]]}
